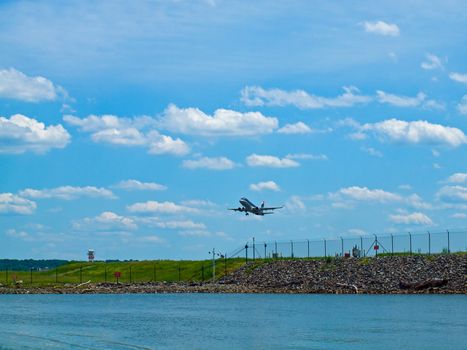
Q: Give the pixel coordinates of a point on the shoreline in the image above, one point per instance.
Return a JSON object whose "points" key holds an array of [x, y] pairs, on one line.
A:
{"points": [[443, 274]]}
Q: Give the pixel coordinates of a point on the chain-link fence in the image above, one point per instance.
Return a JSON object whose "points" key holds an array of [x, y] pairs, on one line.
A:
{"points": [[124, 272], [359, 246]]}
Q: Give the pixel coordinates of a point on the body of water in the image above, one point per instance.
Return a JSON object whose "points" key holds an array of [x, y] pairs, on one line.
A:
{"points": [[247, 321]]}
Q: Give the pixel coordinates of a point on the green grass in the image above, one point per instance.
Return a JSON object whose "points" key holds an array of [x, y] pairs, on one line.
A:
{"points": [[141, 271]]}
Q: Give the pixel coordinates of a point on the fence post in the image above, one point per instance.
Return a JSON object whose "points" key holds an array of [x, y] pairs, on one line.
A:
{"points": [[6, 275], [105, 272], [31, 275], [376, 242], [130, 274], [154, 276], [81, 274], [179, 269], [410, 242], [275, 248], [361, 246], [265, 246], [429, 243], [254, 249], [291, 249], [449, 245], [342, 247], [225, 264], [56, 275], [308, 248], [325, 253], [202, 273], [392, 244], [246, 252]]}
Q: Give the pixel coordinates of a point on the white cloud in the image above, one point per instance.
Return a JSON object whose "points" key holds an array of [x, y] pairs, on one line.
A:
{"points": [[416, 132], [20, 134], [297, 128], [462, 106], [160, 207], [68, 192], [306, 156], [372, 152], [381, 28], [452, 194], [414, 218], [400, 101], [215, 163], [294, 204], [152, 239], [23, 235], [365, 194], [356, 231], [135, 185], [432, 62], [255, 160], [17, 85], [224, 122], [171, 224], [13, 204], [106, 221], [459, 77], [130, 132], [457, 178], [266, 185], [459, 216], [257, 96]]}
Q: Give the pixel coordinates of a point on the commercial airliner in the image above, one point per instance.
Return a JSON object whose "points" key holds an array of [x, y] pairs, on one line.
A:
{"points": [[248, 207]]}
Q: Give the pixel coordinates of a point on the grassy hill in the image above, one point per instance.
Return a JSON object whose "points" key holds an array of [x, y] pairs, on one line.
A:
{"points": [[131, 271]]}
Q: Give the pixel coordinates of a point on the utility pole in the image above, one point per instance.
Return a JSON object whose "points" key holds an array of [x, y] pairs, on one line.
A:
{"points": [[308, 248], [325, 253]]}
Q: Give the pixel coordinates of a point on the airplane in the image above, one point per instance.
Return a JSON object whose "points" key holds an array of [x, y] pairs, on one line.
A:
{"points": [[248, 207]]}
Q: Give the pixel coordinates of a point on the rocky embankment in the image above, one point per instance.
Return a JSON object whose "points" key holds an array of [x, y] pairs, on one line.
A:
{"points": [[442, 274]]}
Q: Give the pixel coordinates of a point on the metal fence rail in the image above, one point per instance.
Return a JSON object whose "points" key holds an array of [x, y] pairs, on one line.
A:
{"points": [[448, 241]]}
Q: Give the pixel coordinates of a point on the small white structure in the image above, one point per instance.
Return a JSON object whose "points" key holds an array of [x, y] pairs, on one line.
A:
{"points": [[91, 255]]}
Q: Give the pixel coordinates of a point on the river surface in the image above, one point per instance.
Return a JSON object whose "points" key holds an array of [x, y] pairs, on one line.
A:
{"points": [[233, 321]]}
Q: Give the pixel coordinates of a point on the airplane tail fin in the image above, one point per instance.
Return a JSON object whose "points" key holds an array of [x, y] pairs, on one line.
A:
{"points": [[262, 204]]}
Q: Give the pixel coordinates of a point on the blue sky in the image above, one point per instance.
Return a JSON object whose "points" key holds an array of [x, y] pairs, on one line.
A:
{"points": [[130, 128]]}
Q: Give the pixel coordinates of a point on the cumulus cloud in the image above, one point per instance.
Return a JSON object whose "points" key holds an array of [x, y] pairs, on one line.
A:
{"points": [[223, 122], [413, 218], [297, 128], [18, 86], [266, 185], [130, 132], [415, 132], [67, 192], [170, 224], [106, 221], [295, 204], [257, 96], [462, 106], [21, 134], [13, 204], [459, 216], [215, 163], [256, 160], [306, 156], [457, 178], [372, 152], [381, 28], [459, 77], [452, 194], [431, 62], [400, 101], [135, 185], [366, 194], [160, 207]]}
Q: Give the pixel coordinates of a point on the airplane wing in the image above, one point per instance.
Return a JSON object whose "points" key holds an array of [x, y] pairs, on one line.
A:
{"points": [[235, 209], [272, 208]]}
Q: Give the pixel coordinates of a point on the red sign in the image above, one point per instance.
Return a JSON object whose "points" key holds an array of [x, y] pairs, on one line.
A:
{"points": [[376, 247], [117, 274]]}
